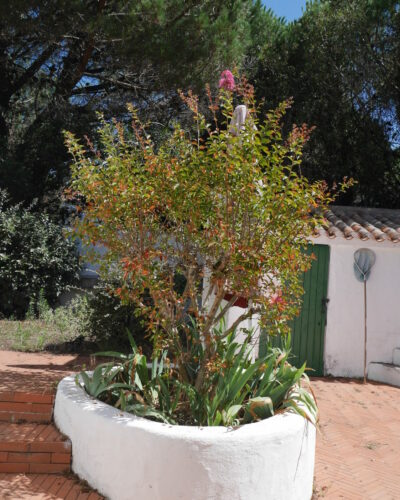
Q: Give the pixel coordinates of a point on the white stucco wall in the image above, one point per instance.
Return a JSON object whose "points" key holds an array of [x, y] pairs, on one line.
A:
{"points": [[344, 336], [250, 324], [127, 457], [232, 315]]}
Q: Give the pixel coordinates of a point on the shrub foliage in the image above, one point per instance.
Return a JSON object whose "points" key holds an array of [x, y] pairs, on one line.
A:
{"points": [[226, 211], [34, 256]]}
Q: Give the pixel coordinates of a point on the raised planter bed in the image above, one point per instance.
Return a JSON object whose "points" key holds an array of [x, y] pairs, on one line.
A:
{"points": [[125, 457]]}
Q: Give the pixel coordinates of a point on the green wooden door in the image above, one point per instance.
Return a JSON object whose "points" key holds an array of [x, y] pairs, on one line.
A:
{"points": [[308, 330]]}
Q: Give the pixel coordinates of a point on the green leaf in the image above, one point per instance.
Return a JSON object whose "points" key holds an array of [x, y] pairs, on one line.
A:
{"points": [[229, 415], [258, 408]]}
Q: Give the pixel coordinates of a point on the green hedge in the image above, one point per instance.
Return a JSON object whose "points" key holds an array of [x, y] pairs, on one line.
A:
{"points": [[34, 255]]}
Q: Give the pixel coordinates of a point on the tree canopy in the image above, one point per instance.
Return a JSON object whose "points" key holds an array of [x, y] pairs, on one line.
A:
{"points": [[62, 60], [341, 63]]}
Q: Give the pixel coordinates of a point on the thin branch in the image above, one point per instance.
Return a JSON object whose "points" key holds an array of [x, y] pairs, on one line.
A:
{"points": [[225, 309], [214, 308], [88, 89], [117, 83], [250, 312], [33, 68]]}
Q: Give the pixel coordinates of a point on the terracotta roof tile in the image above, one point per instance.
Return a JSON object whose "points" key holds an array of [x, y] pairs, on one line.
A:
{"points": [[376, 224]]}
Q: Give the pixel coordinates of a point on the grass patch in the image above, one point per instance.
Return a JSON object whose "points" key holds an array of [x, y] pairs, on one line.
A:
{"points": [[34, 335], [89, 323], [63, 329]]}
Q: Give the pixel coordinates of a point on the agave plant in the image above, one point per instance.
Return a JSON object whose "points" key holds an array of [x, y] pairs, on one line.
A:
{"points": [[142, 389], [240, 391], [100, 381]]}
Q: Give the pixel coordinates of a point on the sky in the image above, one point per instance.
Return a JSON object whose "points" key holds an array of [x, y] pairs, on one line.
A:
{"points": [[290, 9]]}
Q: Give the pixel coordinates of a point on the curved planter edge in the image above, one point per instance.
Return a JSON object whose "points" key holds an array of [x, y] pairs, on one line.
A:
{"points": [[125, 457]]}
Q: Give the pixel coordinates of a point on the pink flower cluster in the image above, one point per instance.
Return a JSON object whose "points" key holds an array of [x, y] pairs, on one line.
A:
{"points": [[227, 80], [277, 300]]}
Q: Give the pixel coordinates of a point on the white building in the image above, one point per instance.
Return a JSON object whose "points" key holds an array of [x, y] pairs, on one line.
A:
{"points": [[329, 333]]}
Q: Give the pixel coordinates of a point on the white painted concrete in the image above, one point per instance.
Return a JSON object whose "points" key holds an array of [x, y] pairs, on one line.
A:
{"points": [[232, 315], [127, 457], [250, 324], [344, 337], [383, 372], [396, 356]]}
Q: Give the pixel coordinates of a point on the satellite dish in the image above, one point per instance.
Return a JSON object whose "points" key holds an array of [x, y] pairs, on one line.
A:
{"points": [[364, 259]]}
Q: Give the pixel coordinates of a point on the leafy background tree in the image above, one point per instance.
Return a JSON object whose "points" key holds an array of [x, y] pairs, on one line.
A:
{"points": [[341, 64], [62, 60]]}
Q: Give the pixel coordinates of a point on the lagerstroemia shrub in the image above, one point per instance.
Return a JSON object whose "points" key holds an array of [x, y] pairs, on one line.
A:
{"points": [[226, 213]]}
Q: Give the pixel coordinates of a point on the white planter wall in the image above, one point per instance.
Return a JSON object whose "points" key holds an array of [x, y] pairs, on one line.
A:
{"points": [[344, 336], [127, 457]]}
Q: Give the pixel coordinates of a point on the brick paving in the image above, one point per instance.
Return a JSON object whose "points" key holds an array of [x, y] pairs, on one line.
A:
{"points": [[358, 447], [18, 406], [33, 448], [37, 372], [34, 454], [44, 487]]}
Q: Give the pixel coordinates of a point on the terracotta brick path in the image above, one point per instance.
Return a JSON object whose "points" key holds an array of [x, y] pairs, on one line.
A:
{"points": [[43, 487], [358, 448], [34, 446], [36, 372]]}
